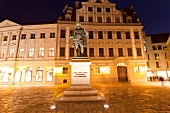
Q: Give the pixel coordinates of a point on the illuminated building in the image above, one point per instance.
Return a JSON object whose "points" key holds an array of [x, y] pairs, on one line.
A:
{"points": [[40, 54], [156, 54]]}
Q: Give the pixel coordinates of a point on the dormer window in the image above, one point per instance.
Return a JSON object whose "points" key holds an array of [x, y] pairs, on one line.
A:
{"points": [[107, 10], [99, 9], [129, 19], [90, 9]]}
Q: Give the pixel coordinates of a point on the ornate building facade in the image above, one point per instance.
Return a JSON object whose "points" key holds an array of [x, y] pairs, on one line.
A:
{"points": [[40, 54]]}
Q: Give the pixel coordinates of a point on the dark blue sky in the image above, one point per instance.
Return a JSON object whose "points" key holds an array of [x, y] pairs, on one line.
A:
{"points": [[155, 14]]}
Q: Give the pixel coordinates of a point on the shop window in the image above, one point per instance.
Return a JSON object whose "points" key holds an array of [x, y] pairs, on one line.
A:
{"points": [[39, 75], [28, 75], [50, 75], [5, 77], [18, 76]]}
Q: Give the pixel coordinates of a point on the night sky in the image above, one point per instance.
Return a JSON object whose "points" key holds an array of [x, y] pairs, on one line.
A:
{"points": [[155, 14]]}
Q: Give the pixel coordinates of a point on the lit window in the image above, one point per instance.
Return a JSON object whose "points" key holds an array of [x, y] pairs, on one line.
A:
{"points": [[50, 75], [157, 56], [39, 75], [28, 75], [11, 53], [21, 53], [65, 70], [5, 77], [41, 52], [51, 52], [31, 52], [102, 69], [17, 76]]}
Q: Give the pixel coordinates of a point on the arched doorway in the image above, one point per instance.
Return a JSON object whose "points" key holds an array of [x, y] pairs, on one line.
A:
{"points": [[122, 72]]}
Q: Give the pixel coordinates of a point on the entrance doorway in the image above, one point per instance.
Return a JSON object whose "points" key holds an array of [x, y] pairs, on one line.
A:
{"points": [[122, 73]]}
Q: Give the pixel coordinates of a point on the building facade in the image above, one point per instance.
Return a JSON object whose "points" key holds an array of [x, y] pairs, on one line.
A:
{"points": [[157, 57], [40, 54]]}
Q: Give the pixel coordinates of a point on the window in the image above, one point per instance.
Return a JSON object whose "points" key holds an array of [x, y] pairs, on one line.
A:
{"points": [[107, 10], [101, 52], [5, 38], [148, 65], [111, 52], [165, 56], [3, 50], [156, 56], [90, 34], [102, 69], [129, 51], [100, 35], [90, 19], [5, 77], [52, 35], [120, 52], [85, 52], [167, 66], [154, 48], [14, 37], [42, 35], [62, 51], [17, 76], [109, 34], [28, 75], [65, 70], [117, 20], [81, 19], [11, 53], [63, 34], [49, 75], [157, 65], [108, 20], [23, 36], [118, 35], [138, 50], [90, 9], [127, 35], [99, 9], [51, 52], [91, 52], [99, 19], [148, 57], [32, 36], [71, 52], [159, 47], [31, 52], [21, 53], [136, 35], [39, 75], [41, 52]]}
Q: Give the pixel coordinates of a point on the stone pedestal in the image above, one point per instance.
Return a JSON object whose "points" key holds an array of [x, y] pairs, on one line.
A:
{"points": [[80, 89]]}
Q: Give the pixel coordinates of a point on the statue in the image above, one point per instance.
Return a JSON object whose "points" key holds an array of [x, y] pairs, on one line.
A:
{"points": [[79, 40]]}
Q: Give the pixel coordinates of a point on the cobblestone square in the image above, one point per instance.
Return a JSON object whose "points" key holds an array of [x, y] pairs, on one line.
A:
{"points": [[121, 98]]}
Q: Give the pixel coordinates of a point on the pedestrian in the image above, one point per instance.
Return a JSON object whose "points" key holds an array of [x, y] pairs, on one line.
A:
{"points": [[162, 80]]}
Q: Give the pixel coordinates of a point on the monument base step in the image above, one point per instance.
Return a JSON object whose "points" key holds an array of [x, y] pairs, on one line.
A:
{"points": [[80, 87], [81, 93]]}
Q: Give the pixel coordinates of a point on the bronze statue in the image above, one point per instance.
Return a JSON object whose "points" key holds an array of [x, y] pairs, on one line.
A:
{"points": [[79, 40]]}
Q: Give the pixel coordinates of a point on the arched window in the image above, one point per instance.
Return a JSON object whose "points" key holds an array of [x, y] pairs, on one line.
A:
{"points": [[18, 76], [39, 75], [49, 75], [28, 75]]}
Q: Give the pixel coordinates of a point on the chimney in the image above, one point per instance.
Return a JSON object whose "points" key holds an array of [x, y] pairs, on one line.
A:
{"points": [[77, 4]]}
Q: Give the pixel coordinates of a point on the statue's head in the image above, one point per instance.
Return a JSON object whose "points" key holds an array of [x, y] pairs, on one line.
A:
{"points": [[78, 24]]}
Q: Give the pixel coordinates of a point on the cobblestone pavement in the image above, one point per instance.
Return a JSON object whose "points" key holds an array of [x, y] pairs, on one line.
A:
{"points": [[121, 97]]}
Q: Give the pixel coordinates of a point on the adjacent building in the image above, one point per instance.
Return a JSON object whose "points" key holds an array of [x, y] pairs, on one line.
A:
{"points": [[40, 54], [157, 57]]}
